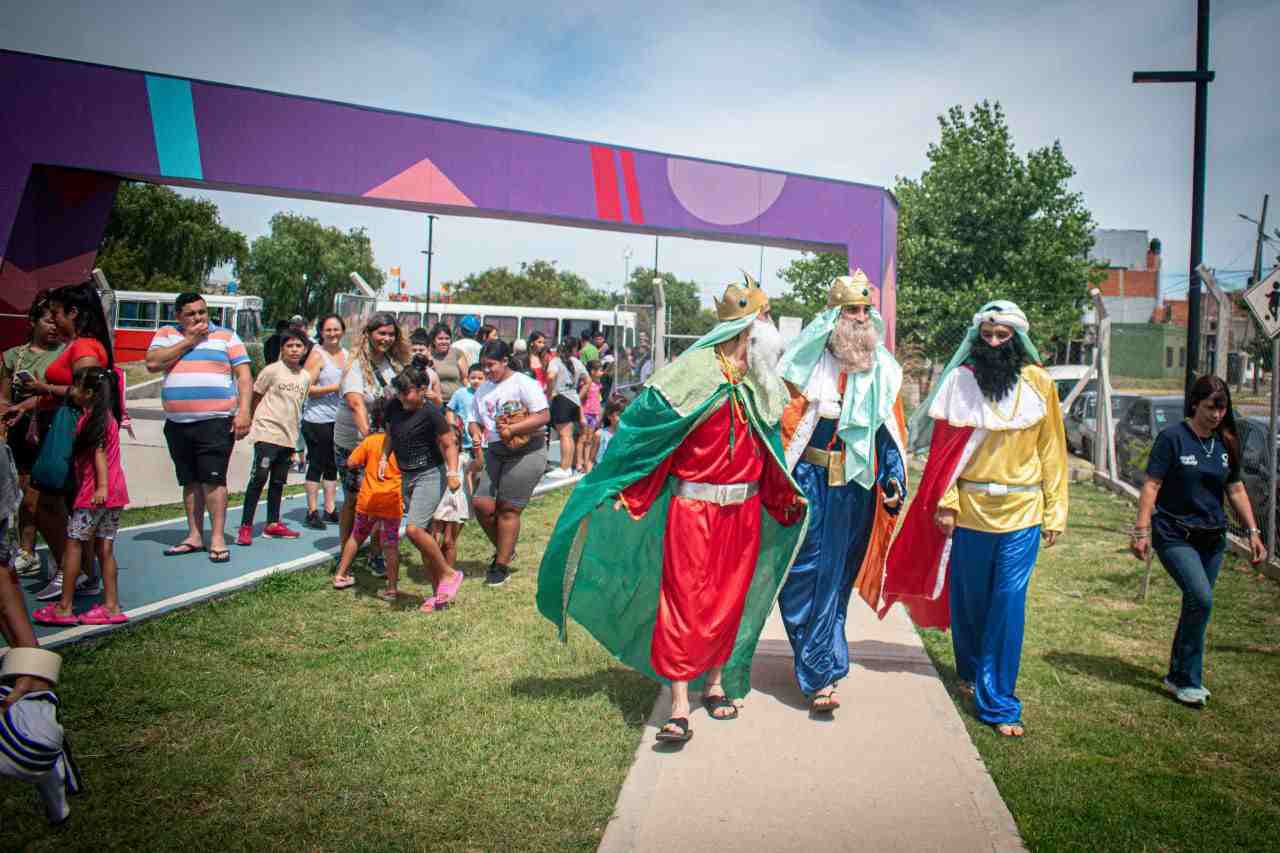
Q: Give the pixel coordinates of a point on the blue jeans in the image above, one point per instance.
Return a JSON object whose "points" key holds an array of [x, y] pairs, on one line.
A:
{"points": [[1195, 571]]}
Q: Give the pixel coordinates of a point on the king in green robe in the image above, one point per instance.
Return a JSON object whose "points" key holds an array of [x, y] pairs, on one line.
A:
{"points": [[681, 578]]}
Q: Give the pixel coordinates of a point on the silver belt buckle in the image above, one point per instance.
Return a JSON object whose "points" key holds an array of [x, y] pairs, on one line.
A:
{"points": [[997, 489]]}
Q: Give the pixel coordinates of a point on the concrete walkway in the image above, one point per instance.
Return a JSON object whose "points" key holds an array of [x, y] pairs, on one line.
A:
{"points": [[894, 769]]}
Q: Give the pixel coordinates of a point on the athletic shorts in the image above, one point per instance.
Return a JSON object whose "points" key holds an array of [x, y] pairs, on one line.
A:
{"points": [[200, 450], [511, 479], [366, 524], [422, 491], [351, 478], [564, 411], [85, 525]]}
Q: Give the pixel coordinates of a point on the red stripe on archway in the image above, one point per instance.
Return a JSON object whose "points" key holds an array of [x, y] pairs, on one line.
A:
{"points": [[608, 202], [632, 186]]}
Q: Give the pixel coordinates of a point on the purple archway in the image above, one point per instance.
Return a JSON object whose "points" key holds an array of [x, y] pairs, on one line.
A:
{"points": [[73, 130]]}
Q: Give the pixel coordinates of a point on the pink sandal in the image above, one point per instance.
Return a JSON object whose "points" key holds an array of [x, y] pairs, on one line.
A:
{"points": [[428, 605], [448, 590], [100, 615], [344, 582], [49, 615]]}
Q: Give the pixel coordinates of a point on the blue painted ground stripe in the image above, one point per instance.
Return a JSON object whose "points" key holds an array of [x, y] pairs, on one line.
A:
{"points": [[173, 120]]}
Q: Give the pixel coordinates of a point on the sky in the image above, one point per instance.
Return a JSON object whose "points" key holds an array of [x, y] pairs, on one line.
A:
{"points": [[837, 88]]}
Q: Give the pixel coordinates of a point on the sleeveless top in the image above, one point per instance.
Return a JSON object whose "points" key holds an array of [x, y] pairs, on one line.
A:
{"points": [[324, 410], [450, 376]]}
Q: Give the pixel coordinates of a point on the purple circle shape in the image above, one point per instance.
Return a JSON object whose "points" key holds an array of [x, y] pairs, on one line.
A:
{"points": [[723, 195]]}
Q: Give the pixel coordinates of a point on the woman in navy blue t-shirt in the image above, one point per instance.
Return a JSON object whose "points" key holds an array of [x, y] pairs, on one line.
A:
{"points": [[1194, 465]]}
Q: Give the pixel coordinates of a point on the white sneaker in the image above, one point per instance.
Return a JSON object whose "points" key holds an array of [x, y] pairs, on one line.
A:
{"points": [[1194, 696], [52, 590], [558, 474], [27, 564]]}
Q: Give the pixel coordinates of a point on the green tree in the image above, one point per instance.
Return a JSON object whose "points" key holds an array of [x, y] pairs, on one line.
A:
{"points": [[684, 304], [983, 222], [810, 278], [302, 265], [537, 282], [160, 241]]}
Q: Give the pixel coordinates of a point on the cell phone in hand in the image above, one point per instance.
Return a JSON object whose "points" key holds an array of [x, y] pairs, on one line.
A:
{"points": [[24, 376]]}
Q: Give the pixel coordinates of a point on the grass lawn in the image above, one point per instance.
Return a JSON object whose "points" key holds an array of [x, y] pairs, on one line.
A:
{"points": [[292, 717], [1111, 762]]}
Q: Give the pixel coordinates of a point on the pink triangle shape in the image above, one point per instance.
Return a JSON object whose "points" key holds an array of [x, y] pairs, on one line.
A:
{"points": [[422, 182]]}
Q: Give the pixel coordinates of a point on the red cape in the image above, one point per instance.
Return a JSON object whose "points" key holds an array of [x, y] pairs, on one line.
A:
{"points": [[916, 572]]}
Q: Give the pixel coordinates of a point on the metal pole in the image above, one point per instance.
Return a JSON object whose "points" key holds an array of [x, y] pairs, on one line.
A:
{"points": [[430, 222], [1272, 511], [1197, 193]]}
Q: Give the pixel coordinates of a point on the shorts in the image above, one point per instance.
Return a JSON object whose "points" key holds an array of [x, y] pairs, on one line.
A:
{"points": [[366, 524], [511, 479], [593, 421], [422, 491], [564, 411], [200, 450], [85, 525], [351, 478]]}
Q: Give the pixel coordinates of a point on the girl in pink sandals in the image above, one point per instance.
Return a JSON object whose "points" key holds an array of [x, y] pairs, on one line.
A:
{"points": [[100, 495]]}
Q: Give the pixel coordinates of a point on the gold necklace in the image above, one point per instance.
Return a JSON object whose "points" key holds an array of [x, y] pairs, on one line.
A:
{"points": [[730, 369]]}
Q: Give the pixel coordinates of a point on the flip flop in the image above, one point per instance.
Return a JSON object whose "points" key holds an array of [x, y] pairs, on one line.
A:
{"points": [[49, 615], [100, 615], [182, 549], [824, 704], [220, 555], [715, 703], [995, 727], [448, 590], [685, 733], [344, 582], [388, 595]]}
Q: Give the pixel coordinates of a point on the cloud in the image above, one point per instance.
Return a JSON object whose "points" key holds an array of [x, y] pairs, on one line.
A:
{"points": [[846, 90]]}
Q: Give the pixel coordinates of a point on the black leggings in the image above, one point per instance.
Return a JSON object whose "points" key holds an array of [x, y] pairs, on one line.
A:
{"points": [[269, 460], [320, 462]]}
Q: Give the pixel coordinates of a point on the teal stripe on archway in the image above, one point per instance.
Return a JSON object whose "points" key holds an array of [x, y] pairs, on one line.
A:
{"points": [[173, 120]]}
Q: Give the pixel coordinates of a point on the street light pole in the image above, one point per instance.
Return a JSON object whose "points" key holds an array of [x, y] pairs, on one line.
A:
{"points": [[1202, 77], [430, 222]]}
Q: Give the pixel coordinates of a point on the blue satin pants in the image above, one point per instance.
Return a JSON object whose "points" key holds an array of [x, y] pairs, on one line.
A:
{"points": [[989, 575], [815, 599]]}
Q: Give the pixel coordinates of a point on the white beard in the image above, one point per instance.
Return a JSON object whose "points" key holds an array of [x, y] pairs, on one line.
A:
{"points": [[764, 351]]}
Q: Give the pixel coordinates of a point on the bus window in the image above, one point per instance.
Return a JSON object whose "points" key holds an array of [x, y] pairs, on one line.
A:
{"points": [[546, 325], [409, 320], [432, 319], [451, 320], [248, 324], [506, 326], [575, 328], [136, 315]]}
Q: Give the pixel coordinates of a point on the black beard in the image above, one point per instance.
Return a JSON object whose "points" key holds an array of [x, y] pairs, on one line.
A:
{"points": [[997, 368]]}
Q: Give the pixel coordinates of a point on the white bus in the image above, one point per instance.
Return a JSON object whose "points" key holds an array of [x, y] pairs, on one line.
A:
{"points": [[138, 313]]}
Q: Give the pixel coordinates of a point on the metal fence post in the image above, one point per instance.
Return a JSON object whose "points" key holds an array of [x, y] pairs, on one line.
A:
{"points": [[1274, 451]]}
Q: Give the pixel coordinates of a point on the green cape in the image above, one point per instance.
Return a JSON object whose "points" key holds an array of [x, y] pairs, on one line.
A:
{"points": [[604, 568]]}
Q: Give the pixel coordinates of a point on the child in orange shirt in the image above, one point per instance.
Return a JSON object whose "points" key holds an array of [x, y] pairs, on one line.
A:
{"points": [[379, 505]]}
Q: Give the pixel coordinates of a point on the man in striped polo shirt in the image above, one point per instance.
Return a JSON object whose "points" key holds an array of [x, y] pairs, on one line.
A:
{"points": [[207, 396]]}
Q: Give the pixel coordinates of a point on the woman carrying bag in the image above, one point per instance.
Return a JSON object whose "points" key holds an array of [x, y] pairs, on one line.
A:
{"points": [[1193, 466]]}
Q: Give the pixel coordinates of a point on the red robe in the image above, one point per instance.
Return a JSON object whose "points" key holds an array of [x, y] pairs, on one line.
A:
{"points": [[709, 551]]}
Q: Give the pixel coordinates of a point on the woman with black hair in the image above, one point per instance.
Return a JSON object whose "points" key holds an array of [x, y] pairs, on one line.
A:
{"points": [[450, 363], [1193, 466], [82, 322], [509, 413]]}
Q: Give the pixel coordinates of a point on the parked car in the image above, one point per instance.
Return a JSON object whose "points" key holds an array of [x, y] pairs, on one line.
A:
{"points": [[1136, 431], [1081, 420], [1256, 460], [1065, 376]]}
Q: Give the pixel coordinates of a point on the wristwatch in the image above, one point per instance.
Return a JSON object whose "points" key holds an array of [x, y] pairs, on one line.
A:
{"points": [[1253, 530]]}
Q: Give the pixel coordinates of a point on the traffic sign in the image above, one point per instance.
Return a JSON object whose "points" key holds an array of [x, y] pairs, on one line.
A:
{"points": [[1264, 301]]}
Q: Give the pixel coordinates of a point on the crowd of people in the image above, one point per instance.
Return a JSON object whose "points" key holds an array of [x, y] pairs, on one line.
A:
{"points": [[743, 474]]}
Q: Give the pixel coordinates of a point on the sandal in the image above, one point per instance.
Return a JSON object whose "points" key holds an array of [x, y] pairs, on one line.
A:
{"points": [[717, 703], [388, 594], [428, 605], [965, 688], [344, 582], [684, 733], [824, 703], [49, 615], [1015, 729], [100, 615], [219, 555], [448, 590], [181, 549]]}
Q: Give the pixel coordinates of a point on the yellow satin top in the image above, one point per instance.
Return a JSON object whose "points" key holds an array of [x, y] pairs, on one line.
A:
{"points": [[1021, 457]]}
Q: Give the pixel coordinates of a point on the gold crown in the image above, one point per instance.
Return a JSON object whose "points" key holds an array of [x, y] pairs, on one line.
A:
{"points": [[850, 290], [741, 300]]}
